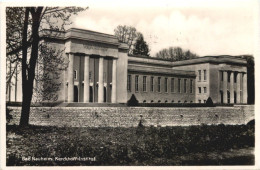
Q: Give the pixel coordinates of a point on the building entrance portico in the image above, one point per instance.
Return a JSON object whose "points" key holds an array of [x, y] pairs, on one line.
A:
{"points": [[93, 66]]}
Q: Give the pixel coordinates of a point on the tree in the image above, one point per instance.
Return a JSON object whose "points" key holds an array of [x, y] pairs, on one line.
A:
{"points": [[128, 35], [140, 46], [23, 43], [175, 54], [250, 78]]}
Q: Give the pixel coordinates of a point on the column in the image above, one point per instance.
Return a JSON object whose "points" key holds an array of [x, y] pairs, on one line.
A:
{"points": [[245, 88], [113, 98], [86, 79], [238, 87], [224, 86], [71, 78], [101, 80], [231, 87]]}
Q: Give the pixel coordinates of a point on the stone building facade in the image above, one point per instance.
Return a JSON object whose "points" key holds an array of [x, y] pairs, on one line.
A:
{"points": [[100, 71]]}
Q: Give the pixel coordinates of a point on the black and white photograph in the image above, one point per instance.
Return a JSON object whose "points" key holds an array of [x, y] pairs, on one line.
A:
{"points": [[128, 84]]}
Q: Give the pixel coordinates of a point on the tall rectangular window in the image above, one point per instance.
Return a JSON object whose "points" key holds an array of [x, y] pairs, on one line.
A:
{"points": [[228, 75], [159, 84], [166, 85], [136, 83], [191, 86], [185, 85], [152, 84], [205, 74], [205, 89], [172, 85], [128, 82], [199, 75], [75, 75], [199, 89], [179, 85], [144, 83]]}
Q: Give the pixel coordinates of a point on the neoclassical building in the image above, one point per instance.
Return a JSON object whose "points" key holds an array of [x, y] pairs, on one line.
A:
{"points": [[100, 71]]}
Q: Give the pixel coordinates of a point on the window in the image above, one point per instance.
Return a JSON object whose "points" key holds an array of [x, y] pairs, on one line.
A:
{"points": [[205, 89], [185, 85], [172, 84], [159, 84], [152, 84], [179, 85], [75, 75], [129, 82], [199, 75], [199, 101], [90, 75], [166, 85], [136, 83], [228, 76], [191, 86], [199, 89], [144, 83], [205, 74], [204, 101]]}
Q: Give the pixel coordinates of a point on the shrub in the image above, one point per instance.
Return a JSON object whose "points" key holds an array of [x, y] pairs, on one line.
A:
{"points": [[209, 102], [132, 101]]}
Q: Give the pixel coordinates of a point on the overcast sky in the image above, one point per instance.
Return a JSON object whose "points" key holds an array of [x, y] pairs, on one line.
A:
{"points": [[204, 27]]}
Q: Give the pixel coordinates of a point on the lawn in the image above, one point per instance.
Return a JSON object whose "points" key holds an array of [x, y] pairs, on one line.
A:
{"points": [[192, 145]]}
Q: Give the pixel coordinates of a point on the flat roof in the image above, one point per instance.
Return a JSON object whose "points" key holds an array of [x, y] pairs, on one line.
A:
{"points": [[206, 59], [160, 70]]}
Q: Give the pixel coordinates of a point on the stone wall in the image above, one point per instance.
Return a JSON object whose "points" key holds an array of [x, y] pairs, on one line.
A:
{"points": [[131, 116]]}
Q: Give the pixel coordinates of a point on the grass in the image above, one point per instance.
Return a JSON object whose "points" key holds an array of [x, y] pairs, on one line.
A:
{"points": [[193, 145]]}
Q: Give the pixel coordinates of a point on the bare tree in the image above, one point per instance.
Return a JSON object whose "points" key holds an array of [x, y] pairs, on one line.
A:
{"points": [[175, 54], [23, 44], [128, 35]]}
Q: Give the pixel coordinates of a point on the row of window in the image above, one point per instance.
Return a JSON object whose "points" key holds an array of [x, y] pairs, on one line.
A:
{"points": [[204, 89], [204, 73], [166, 101], [158, 85], [204, 101]]}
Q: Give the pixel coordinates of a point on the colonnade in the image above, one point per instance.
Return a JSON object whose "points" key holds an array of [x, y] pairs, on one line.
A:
{"points": [[240, 89], [87, 82]]}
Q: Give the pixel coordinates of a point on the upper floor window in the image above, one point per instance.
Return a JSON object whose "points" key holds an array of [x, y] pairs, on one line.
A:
{"points": [[136, 83], [172, 84], [152, 84], [159, 84], [75, 75], [199, 75], [166, 85], [235, 77], [205, 74], [185, 85], [179, 85], [228, 75], [144, 83], [191, 86], [129, 82]]}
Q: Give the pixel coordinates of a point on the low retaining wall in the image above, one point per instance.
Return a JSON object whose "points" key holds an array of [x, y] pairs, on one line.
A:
{"points": [[131, 116]]}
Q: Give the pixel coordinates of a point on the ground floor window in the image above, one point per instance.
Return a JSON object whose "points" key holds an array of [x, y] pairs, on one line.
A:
{"points": [[129, 82], [136, 83]]}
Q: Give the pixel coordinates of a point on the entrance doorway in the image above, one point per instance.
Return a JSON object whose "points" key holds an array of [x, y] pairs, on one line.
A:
{"points": [[91, 94], [76, 98], [221, 96]]}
